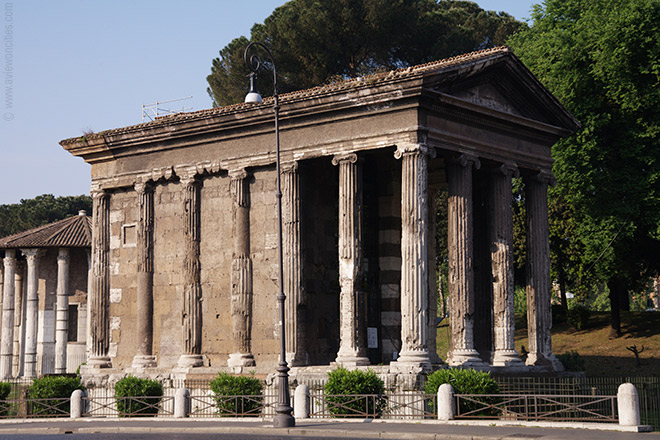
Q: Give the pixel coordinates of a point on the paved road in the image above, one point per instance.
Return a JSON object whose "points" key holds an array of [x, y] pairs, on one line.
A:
{"points": [[197, 429]]}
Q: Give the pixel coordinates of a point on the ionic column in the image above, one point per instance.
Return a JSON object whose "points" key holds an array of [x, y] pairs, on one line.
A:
{"points": [[31, 312], [241, 272], [539, 314], [144, 357], [414, 256], [292, 259], [192, 295], [7, 337], [501, 238], [461, 273], [19, 328], [99, 296], [352, 345], [62, 313]]}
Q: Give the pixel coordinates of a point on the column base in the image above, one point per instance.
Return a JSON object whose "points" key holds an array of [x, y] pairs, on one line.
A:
{"points": [[546, 361], [416, 359], [466, 359], [99, 362], [351, 359], [191, 361], [144, 361], [507, 358], [297, 359], [238, 360]]}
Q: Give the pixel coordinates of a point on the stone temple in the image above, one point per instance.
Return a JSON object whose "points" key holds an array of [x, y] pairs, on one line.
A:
{"points": [[184, 272]]}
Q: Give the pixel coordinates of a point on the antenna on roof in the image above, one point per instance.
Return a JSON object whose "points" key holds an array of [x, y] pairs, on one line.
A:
{"points": [[153, 111]]}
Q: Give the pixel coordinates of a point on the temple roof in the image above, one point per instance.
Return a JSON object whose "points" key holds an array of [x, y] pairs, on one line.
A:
{"points": [[71, 232]]}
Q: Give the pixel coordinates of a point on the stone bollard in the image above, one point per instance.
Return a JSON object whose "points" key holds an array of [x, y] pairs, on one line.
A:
{"points": [[301, 402], [181, 403], [445, 402], [628, 404], [76, 404]]}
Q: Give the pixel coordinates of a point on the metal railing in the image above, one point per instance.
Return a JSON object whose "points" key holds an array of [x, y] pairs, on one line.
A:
{"points": [[210, 405], [35, 408], [142, 406], [370, 406], [534, 407]]}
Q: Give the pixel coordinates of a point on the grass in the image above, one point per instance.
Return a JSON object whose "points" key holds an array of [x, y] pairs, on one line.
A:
{"points": [[603, 356]]}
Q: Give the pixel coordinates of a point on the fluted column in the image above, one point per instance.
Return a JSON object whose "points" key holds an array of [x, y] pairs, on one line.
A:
{"points": [[414, 256], [99, 297], [352, 345], [501, 239], [292, 254], [7, 337], [192, 295], [241, 272], [461, 273], [62, 311], [19, 327], [539, 314], [144, 357], [31, 312]]}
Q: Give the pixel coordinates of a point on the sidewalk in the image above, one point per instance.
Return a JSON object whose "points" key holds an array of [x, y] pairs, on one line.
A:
{"points": [[362, 429]]}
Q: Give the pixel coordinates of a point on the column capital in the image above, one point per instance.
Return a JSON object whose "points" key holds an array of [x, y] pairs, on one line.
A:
{"points": [[143, 186], [189, 180], [403, 149], [344, 157], [31, 253], [10, 257], [63, 255], [238, 174], [289, 167], [506, 169], [99, 193], [467, 159], [545, 177]]}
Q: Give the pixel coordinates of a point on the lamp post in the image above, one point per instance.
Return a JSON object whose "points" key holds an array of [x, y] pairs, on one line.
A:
{"points": [[283, 417]]}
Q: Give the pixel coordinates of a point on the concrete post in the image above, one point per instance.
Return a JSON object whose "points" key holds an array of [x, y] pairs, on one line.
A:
{"points": [[446, 408], [352, 328], [31, 312], [181, 403], [7, 338], [62, 314], [628, 405], [76, 404], [414, 256], [301, 402]]}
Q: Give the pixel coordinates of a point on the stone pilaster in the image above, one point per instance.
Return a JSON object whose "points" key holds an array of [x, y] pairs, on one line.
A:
{"points": [[31, 312], [352, 331], [99, 297], [241, 273], [539, 313], [144, 357], [501, 239], [414, 256], [7, 336], [292, 250], [62, 311], [461, 275], [192, 294]]}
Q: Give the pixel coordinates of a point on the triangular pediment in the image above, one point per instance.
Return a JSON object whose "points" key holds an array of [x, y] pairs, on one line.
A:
{"points": [[487, 95]]}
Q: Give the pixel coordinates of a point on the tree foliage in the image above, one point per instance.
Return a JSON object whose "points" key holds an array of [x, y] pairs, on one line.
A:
{"points": [[320, 41], [43, 209], [601, 58]]}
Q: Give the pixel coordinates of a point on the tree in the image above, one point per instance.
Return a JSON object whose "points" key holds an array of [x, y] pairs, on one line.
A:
{"points": [[320, 41], [43, 209], [601, 58]]}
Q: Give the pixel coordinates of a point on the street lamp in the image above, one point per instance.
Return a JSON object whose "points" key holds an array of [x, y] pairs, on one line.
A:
{"points": [[283, 417]]}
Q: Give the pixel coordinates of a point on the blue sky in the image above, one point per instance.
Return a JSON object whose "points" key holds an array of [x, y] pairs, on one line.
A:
{"points": [[71, 66]]}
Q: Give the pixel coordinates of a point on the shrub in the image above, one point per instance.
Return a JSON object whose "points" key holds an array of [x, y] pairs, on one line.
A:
{"points": [[578, 316], [5, 389], [558, 314], [572, 361], [227, 388], [138, 397], [55, 388], [465, 382], [344, 382]]}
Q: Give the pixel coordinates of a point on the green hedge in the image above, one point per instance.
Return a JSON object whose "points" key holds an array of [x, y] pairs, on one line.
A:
{"points": [[5, 389], [53, 387], [138, 397], [465, 382], [226, 387], [578, 316], [344, 382]]}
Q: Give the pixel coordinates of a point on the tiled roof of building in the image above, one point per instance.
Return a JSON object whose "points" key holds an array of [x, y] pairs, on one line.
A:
{"points": [[71, 232], [340, 85]]}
